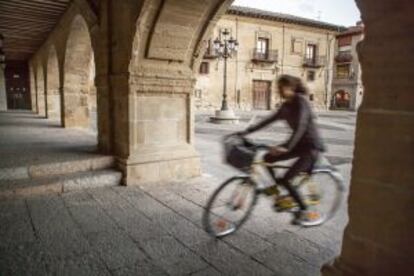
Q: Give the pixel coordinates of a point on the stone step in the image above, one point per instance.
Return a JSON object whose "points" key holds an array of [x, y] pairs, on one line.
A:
{"points": [[34, 171], [60, 184]]}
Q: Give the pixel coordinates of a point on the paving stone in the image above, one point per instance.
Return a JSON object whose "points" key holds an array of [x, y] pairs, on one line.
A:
{"points": [[24, 259], [173, 256], [15, 223], [229, 261], [87, 213], [126, 216], [210, 271], [85, 264], [284, 263], [142, 268], [247, 242], [116, 249], [182, 206], [55, 227], [304, 249]]}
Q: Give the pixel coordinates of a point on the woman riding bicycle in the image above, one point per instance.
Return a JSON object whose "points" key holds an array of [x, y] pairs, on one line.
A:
{"points": [[305, 143]]}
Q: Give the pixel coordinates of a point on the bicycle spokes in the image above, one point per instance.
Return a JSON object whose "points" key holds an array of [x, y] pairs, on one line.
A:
{"points": [[230, 206]]}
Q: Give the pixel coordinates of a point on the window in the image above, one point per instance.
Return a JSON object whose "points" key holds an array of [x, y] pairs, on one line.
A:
{"points": [[344, 41], [311, 97], [310, 76], [204, 68], [311, 51], [296, 46], [198, 93], [343, 71], [262, 46]]}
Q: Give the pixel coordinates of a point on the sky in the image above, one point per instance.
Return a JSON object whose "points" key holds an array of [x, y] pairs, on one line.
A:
{"points": [[340, 12]]}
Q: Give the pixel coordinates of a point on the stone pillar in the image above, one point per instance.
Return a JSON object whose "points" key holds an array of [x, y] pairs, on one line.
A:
{"points": [[379, 239], [33, 94], [160, 122], [3, 95], [152, 85]]}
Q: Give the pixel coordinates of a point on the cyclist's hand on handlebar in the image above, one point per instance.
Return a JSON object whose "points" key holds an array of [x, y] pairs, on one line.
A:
{"points": [[278, 150]]}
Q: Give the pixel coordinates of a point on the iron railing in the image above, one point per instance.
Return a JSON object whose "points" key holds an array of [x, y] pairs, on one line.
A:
{"points": [[315, 62], [259, 55]]}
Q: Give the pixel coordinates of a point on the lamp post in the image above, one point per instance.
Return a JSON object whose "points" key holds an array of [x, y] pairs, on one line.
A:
{"points": [[225, 47]]}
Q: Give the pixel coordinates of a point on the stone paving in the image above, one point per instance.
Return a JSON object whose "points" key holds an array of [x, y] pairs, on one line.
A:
{"points": [[156, 229]]}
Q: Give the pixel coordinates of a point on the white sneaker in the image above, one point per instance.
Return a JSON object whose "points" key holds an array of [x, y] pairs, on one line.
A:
{"points": [[309, 218]]}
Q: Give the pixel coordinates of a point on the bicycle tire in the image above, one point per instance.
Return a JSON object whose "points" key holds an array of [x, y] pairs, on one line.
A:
{"points": [[206, 220], [339, 190]]}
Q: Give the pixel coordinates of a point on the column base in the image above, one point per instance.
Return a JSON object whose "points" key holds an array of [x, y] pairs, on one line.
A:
{"points": [[160, 164], [225, 117]]}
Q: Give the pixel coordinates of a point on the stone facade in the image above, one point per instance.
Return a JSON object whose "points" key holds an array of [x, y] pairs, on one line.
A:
{"points": [[347, 89], [249, 70]]}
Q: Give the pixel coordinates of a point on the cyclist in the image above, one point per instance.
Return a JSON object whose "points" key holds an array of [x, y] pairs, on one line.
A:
{"points": [[305, 144]]}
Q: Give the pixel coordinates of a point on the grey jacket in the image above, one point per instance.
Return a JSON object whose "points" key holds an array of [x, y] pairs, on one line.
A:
{"points": [[298, 114]]}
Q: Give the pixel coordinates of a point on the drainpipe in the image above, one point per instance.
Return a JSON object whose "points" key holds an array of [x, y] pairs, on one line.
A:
{"points": [[283, 49], [328, 69]]}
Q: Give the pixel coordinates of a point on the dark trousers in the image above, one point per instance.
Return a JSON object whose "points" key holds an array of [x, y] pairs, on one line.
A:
{"points": [[305, 163]]}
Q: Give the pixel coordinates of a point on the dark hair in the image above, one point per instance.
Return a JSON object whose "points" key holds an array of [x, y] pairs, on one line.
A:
{"points": [[295, 83]]}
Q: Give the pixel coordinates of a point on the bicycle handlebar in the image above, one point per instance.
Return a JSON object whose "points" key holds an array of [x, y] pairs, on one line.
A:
{"points": [[248, 142]]}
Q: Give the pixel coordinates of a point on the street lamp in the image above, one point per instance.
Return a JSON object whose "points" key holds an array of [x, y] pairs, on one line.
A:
{"points": [[225, 46]]}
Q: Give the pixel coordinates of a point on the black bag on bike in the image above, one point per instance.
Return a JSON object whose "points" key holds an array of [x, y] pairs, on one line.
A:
{"points": [[239, 152]]}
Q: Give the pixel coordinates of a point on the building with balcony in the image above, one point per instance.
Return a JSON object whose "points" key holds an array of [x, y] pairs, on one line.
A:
{"points": [[270, 44], [347, 89]]}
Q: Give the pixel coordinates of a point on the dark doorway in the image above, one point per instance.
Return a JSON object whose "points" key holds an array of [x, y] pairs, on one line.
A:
{"points": [[342, 100], [17, 85]]}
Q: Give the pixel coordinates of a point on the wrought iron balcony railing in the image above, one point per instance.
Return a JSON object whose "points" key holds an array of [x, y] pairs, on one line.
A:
{"points": [[269, 56], [343, 57], [314, 62], [210, 53]]}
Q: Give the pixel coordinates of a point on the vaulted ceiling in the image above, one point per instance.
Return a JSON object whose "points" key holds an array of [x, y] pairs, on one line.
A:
{"points": [[25, 24]]}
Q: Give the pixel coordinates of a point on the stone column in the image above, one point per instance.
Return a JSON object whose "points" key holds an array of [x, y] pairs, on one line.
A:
{"points": [[3, 95], [379, 239], [160, 126], [152, 85]]}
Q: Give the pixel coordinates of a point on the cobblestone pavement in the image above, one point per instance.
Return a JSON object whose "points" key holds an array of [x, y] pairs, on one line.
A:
{"points": [[155, 229]]}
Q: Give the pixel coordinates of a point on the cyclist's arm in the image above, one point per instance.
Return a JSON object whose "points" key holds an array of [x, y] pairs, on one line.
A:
{"points": [[303, 120], [272, 118]]}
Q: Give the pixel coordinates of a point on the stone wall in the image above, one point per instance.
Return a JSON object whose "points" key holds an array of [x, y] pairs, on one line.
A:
{"points": [[379, 238]]}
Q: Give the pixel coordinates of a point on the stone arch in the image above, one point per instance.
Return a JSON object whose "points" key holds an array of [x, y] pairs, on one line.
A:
{"points": [[157, 58], [78, 75], [342, 99], [53, 85], [40, 90]]}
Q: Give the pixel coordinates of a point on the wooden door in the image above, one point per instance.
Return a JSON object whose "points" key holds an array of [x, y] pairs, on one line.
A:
{"points": [[261, 95], [17, 85]]}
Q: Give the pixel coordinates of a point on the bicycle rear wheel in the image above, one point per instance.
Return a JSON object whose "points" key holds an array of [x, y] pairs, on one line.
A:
{"points": [[229, 206], [322, 191]]}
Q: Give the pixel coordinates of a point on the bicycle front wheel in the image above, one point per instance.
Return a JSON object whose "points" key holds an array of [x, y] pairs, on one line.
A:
{"points": [[323, 191], [229, 206]]}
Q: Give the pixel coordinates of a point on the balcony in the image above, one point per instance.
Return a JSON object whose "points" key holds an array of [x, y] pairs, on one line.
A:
{"points": [[343, 57], [314, 62], [270, 56], [210, 53]]}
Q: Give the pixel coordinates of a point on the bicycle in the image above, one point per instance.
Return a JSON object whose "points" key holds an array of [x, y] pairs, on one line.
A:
{"points": [[323, 190]]}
